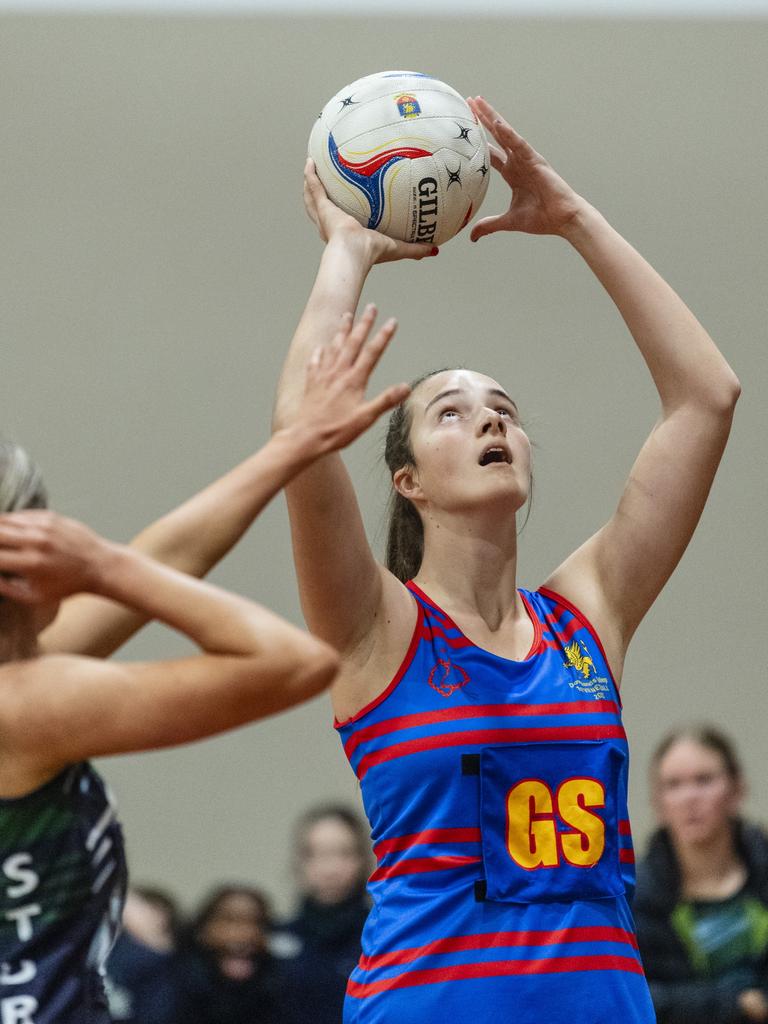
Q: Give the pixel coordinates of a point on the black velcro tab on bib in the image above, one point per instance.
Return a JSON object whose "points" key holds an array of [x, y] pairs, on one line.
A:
{"points": [[480, 890], [470, 764]]}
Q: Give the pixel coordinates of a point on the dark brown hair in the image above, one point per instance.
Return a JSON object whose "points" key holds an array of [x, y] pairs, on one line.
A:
{"points": [[707, 736], [405, 533]]}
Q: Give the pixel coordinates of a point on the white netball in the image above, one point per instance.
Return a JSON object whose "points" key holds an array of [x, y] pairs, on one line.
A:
{"points": [[403, 154]]}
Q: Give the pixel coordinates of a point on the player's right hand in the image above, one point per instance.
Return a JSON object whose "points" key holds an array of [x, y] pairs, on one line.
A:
{"points": [[333, 222]]}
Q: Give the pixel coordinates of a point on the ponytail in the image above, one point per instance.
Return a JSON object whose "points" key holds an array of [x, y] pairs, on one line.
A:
{"points": [[405, 532]]}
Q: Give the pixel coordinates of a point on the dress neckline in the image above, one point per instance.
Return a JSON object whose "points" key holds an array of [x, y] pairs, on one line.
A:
{"points": [[534, 619]]}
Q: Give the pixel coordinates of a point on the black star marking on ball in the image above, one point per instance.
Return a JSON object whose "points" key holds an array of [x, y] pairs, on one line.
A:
{"points": [[454, 177], [463, 132], [483, 170], [347, 102]]}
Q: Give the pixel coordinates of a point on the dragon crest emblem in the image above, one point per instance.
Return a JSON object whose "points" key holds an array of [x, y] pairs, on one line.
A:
{"points": [[578, 659]]}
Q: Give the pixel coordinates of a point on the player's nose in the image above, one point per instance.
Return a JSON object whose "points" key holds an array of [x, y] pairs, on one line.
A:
{"points": [[492, 422]]}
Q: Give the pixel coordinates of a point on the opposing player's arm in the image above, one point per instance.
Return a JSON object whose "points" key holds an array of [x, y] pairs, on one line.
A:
{"points": [[331, 549], [58, 709], [64, 708], [330, 384], [191, 538]]}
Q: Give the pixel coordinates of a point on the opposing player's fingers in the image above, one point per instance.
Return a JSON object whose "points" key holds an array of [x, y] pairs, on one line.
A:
{"points": [[11, 533], [345, 326], [387, 400], [17, 589], [17, 560], [371, 353], [357, 336]]}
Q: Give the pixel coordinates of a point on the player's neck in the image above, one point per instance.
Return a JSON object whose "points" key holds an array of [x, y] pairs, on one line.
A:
{"points": [[470, 568]]}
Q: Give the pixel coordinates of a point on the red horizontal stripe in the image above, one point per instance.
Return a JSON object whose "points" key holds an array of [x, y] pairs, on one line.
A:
{"points": [[624, 828], [430, 835], [476, 737], [492, 940], [564, 633], [495, 969], [429, 632], [575, 707], [418, 865], [627, 856]]}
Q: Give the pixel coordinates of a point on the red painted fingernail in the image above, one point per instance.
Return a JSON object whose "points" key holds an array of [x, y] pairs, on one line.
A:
{"points": [[435, 251]]}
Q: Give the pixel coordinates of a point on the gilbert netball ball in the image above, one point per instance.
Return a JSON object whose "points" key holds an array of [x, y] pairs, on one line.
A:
{"points": [[404, 154]]}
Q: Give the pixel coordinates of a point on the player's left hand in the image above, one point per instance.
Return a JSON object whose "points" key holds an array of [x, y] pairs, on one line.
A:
{"points": [[542, 202], [45, 557]]}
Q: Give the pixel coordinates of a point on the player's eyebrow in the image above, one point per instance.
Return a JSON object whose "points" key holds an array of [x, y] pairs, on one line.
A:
{"points": [[443, 394], [459, 391], [503, 394]]}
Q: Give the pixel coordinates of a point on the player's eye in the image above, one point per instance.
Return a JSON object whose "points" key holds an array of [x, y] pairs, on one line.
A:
{"points": [[448, 414]]}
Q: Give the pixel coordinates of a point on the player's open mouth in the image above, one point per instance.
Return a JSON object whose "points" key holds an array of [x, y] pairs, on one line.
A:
{"points": [[496, 453]]}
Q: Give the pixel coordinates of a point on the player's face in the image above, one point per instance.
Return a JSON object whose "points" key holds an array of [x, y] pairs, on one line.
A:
{"points": [[469, 446], [330, 864], [696, 796]]}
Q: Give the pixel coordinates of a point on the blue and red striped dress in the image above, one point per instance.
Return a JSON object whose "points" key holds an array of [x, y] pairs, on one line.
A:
{"points": [[496, 791]]}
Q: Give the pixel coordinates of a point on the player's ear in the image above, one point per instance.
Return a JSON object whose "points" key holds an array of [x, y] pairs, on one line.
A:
{"points": [[406, 482]]}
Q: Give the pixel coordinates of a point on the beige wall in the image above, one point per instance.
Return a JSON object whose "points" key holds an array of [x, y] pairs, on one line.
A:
{"points": [[155, 257]]}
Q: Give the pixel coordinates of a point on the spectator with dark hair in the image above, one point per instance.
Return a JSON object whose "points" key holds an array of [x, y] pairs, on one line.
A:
{"points": [[321, 944], [141, 981], [702, 896], [226, 973]]}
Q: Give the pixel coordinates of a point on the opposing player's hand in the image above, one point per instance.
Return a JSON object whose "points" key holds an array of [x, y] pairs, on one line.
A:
{"points": [[334, 222], [45, 557], [335, 407], [542, 203]]}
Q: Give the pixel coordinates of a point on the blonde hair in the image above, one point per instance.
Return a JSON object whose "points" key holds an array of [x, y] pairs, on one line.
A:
{"points": [[21, 484]]}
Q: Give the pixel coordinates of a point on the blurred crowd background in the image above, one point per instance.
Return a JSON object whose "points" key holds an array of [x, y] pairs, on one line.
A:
{"points": [[701, 909]]}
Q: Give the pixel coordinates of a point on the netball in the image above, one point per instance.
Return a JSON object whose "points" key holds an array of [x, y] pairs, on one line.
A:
{"points": [[402, 153]]}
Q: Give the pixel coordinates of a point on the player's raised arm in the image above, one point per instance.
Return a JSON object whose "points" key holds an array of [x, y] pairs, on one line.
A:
{"points": [[331, 550], [195, 536], [616, 575], [61, 709]]}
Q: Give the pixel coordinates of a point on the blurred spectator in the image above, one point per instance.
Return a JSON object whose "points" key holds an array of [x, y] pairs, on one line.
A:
{"points": [[226, 974], [702, 897], [321, 945], [140, 970]]}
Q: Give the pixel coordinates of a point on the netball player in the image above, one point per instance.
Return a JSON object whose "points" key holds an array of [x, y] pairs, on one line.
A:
{"points": [[62, 867], [482, 720]]}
